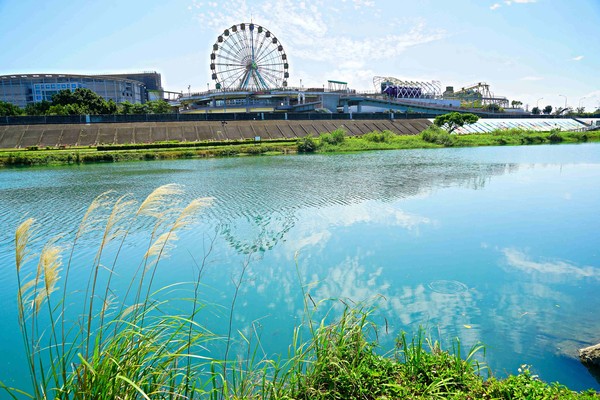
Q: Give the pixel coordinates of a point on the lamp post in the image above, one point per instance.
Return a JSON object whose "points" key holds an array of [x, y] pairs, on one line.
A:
{"points": [[537, 104], [207, 87], [580, 100], [562, 95]]}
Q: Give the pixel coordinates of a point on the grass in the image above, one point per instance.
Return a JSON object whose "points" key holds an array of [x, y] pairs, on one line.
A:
{"points": [[12, 158], [434, 137], [131, 347]]}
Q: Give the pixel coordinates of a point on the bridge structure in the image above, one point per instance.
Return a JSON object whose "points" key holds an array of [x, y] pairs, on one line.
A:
{"points": [[317, 100]]}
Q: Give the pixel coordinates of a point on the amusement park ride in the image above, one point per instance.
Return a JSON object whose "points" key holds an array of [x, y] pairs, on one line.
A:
{"points": [[250, 71], [248, 57]]}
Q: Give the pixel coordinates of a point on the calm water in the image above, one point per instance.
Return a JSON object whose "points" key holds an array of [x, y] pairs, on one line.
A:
{"points": [[498, 245]]}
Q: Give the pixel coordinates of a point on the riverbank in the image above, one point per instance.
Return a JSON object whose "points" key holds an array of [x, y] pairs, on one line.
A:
{"points": [[375, 140]]}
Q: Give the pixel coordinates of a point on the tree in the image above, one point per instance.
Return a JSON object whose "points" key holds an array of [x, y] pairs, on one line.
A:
{"points": [[580, 110], [39, 108], [68, 109], [516, 103], [535, 111], [87, 101], [454, 120], [139, 108], [493, 108], [9, 109], [158, 107], [548, 110], [125, 108]]}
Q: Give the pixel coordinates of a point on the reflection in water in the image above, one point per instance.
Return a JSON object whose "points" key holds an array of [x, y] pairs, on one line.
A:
{"points": [[260, 214], [546, 307], [556, 271]]}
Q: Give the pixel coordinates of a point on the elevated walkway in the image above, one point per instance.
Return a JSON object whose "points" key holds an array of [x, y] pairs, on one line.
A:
{"points": [[438, 107]]}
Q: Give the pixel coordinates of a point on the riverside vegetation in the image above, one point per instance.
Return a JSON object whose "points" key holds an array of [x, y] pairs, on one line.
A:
{"points": [[132, 347], [336, 141]]}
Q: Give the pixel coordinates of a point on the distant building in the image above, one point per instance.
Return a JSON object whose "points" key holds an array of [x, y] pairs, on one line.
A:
{"points": [[23, 89]]}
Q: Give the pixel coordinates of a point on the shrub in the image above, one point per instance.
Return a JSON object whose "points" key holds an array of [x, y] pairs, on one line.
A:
{"points": [[378, 137], [307, 145], [336, 137], [435, 134], [555, 136], [509, 131]]}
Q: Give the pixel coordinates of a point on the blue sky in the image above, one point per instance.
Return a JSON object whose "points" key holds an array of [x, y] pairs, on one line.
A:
{"points": [[524, 49]]}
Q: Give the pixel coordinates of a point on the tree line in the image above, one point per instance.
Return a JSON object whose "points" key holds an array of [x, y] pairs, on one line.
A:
{"points": [[83, 101]]}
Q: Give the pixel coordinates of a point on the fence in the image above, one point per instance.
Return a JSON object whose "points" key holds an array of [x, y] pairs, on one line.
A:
{"points": [[118, 118]]}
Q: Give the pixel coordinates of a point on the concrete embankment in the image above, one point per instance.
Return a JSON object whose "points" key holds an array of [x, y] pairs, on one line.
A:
{"points": [[22, 136]]}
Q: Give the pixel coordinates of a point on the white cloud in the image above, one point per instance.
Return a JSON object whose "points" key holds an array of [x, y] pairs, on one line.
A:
{"points": [[532, 78], [578, 58], [509, 2], [495, 6], [363, 3]]}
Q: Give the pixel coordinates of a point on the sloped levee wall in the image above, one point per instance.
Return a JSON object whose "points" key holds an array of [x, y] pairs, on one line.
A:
{"points": [[56, 135]]}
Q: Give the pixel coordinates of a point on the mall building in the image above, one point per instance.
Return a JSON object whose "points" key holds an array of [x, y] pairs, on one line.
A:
{"points": [[23, 89]]}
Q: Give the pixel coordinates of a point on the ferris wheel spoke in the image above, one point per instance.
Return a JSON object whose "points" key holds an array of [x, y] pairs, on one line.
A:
{"points": [[238, 40], [259, 60], [258, 46], [244, 81], [264, 46], [259, 82], [235, 57], [273, 76], [234, 53], [232, 59], [264, 67], [233, 79], [233, 71], [228, 65], [241, 46], [234, 42], [276, 63], [271, 80], [228, 74]]}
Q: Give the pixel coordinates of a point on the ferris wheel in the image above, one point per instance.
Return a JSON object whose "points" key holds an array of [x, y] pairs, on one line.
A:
{"points": [[248, 57]]}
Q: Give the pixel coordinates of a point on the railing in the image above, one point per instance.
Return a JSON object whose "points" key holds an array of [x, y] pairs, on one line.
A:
{"points": [[249, 116]]}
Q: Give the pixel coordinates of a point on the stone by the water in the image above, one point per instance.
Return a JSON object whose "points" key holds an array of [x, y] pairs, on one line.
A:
{"points": [[590, 355]]}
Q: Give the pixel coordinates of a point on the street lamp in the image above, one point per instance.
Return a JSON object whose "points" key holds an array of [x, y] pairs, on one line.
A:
{"points": [[562, 95], [207, 87], [537, 104], [581, 100]]}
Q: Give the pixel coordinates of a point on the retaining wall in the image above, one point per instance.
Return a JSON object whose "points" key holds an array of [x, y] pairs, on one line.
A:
{"points": [[56, 135]]}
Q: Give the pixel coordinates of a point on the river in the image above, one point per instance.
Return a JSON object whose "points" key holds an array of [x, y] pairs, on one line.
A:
{"points": [[498, 245]]}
